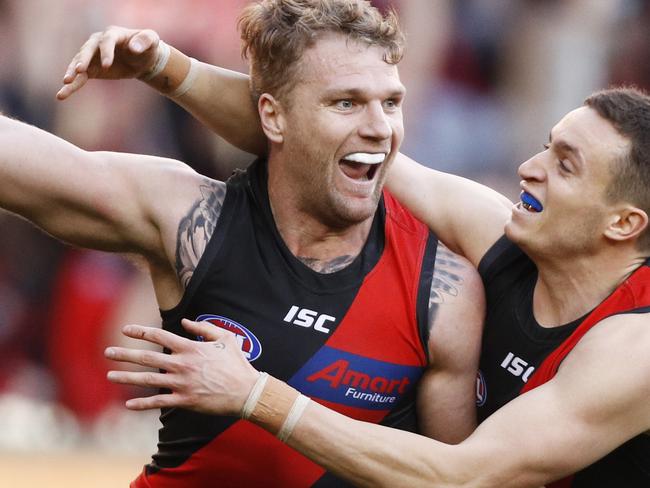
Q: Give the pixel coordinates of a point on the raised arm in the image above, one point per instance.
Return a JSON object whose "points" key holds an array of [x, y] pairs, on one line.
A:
{"points": [[467, 216], [218, 97], [596, 402]]}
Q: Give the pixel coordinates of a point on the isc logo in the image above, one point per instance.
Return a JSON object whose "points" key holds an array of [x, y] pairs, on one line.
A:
{"points": [[517, 366], [303, 317]]}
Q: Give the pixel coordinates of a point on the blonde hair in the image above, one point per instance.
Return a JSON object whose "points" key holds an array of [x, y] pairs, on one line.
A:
{"points": [[275, 34]]}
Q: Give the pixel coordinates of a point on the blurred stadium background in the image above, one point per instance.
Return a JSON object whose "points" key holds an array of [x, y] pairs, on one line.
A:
{"points": [[486, 81]]}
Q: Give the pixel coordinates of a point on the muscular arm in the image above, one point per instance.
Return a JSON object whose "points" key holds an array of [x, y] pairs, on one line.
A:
{"points": [[109, 201], [467, 216], [446, 393], [596, 402]]}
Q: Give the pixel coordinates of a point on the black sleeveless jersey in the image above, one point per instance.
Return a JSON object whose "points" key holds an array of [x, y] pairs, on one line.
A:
{"points": [[353, 340], [515, 346]]}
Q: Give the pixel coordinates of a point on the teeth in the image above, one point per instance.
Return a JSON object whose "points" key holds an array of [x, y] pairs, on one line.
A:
{"points": [[530, 203], [366, 158]]}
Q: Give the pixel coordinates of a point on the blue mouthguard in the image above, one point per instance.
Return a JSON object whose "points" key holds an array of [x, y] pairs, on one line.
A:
{"points": [[532, 201]]}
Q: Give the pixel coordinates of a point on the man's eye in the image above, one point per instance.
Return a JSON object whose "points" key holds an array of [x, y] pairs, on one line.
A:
{"points": [[563, 167], [391, 104], [344, 104], [546, 146]]}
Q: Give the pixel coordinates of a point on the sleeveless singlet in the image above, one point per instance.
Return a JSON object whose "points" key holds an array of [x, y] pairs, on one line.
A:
{"points": [[518, 354], [354, 340]]}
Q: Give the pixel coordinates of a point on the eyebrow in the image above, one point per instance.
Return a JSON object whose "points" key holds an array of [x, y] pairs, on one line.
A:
{"points": [[358, 93], [568, 148]]}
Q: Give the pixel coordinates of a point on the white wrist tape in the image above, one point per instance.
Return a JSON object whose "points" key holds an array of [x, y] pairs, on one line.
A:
{"points": [[189, 80], [164, 52], [295, 413], [254, 396]]}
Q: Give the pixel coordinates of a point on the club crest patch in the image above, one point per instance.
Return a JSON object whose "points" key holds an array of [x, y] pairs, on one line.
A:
{"points": [[249, 344]]}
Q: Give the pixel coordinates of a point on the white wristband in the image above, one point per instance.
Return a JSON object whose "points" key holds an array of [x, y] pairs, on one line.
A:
{"points": [[254, 396], [295, 413], [164, 51], [187, 83]]}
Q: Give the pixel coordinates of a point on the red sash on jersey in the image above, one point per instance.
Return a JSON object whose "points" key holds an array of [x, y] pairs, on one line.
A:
{"points": [[631, 295]]}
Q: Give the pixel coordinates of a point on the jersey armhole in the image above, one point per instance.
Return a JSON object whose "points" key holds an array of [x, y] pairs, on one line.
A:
{"points": [[424, 290], [490, 262]]}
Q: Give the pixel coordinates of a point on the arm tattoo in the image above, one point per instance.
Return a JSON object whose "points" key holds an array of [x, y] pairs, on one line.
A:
{"points": [[326, 267], [197, 227], [447, 280]]}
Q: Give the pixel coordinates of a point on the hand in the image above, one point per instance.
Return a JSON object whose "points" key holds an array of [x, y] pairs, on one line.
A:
{"points": [[113, 54], [211, 377]]}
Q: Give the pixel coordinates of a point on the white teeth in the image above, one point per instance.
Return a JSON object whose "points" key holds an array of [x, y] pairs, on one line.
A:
{"points": [[366, 158]]}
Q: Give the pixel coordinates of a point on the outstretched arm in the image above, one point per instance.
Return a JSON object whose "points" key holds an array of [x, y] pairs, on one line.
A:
{"points": [[105, 200], [595, 403]]}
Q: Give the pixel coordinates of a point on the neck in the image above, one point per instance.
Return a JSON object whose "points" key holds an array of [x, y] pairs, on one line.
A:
{"points": [[324, 247], [567, 289]]}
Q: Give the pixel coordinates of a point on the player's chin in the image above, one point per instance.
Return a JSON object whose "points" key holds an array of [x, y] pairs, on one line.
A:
{"points": [[355, 209]]}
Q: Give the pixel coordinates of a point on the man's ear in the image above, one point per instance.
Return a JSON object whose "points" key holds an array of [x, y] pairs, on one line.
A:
{"points": [[271, 117], [627, 223]]}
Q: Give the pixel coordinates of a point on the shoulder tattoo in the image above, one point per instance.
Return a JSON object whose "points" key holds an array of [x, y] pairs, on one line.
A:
{"points": [[329, 266], [197, 227], [447, 279]]}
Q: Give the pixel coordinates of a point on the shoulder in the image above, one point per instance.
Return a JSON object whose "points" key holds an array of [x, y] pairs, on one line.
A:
{"points": [[621, 339], [612, 363]]}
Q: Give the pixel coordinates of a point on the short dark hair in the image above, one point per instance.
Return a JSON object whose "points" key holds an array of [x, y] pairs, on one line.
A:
{"points": [[275, 33], [628, 110]]}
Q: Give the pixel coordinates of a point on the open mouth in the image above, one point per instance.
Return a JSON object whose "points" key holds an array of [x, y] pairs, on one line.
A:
{"points": [[361, 166], [530, 203]]}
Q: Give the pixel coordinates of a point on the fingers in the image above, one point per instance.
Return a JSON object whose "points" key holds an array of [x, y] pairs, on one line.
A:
{"points": [[150, 359], [148, 379], [143, 40], [158, 336], [74, 84], [76, 74], [204, 329], [155, 402], [107, 42]]}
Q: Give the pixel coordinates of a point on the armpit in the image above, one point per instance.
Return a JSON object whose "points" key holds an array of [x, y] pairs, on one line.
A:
{"points": [[197, 227]]}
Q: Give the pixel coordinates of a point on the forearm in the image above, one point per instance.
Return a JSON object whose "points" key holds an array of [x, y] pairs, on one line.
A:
{"points": [[218, 97], [497, 455], [372, 455], [362, 453]]}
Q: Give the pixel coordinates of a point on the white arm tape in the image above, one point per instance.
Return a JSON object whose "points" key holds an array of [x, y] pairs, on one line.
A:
{"points": [[295, 413], [187, 83], [162, 58], [254, 396]]}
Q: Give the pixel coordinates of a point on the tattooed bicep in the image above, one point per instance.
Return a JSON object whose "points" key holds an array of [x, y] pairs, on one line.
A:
{"points": [[447, 275], [197, 227], [448, 272]]}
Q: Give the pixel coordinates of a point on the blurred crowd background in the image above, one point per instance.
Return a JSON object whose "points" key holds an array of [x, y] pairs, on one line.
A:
{"points": [[486, 81]]}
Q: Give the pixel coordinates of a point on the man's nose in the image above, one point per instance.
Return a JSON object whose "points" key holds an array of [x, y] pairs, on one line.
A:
{"points": [[533, 169], [376, 124]]}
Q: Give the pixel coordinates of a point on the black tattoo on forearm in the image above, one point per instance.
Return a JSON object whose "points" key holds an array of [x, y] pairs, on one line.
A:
{"points": [[197, 227], [329, 266], [447, 279]]}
